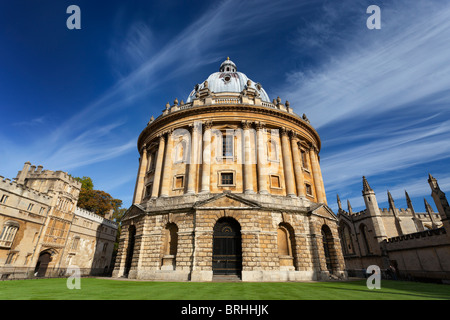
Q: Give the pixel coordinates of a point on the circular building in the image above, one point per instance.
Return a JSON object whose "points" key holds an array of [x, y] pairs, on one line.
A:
{"points": [[229, 183]]}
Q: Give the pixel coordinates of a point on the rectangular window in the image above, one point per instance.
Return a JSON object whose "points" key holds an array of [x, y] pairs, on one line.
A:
{"points": [[4, 198], [304, 159], [308, 189], [30, 207], [226, 178], [153, 163], [10, 258], [227, 145], [179, 182], [275, 182], [76, 240], [148, 190]]}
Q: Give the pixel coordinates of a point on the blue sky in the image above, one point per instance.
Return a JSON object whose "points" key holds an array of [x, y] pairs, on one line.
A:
{"points": [[76, 100]]}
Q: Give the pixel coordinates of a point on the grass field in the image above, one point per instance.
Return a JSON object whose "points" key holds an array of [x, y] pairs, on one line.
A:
{"points": [[106, 289]]}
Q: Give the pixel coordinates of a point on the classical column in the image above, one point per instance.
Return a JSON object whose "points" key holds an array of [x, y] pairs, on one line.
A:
{"points": [[206, 159], [298, 171], [262, 159], [287, 163], [248, 170], [324, 195], [194, 158], [167, 172], [158, 167], [141, 176], [316, 174]]}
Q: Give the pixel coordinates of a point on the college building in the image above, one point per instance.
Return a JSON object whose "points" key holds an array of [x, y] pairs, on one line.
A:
{"points": [[43, 232], [414, 245]]}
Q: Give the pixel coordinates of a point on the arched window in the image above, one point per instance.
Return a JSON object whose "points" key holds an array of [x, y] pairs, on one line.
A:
{"points": [[8, 234], [346, 239]]}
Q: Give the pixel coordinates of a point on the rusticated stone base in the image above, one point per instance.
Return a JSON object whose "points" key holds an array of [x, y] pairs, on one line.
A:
{"points": [[278, 243]]}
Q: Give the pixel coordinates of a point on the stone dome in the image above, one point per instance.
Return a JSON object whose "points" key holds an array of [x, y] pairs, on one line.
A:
{"points": [[228, 79]]}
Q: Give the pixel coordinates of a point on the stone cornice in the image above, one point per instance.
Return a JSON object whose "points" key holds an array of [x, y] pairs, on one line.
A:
{"points": [[164, 122]]}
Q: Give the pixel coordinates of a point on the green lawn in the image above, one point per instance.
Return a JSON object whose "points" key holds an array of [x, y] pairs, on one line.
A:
{"points": [[105, 289]]}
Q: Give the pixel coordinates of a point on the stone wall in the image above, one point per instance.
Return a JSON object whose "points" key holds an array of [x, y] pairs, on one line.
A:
{"points": [[261, 260], [421, 255]]}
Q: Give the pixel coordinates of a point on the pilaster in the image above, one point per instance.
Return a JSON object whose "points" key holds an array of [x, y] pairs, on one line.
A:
{"points": [[297, 166], [167, 173], [141, 176], [262, 158], [248, 170], [158, 167], [287, 163]]}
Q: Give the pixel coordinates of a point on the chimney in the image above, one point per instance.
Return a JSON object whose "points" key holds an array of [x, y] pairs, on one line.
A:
{"points": [[23, 174]]}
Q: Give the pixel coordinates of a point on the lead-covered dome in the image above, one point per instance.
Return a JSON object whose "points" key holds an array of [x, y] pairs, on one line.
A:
{"points": [[228, 79]]}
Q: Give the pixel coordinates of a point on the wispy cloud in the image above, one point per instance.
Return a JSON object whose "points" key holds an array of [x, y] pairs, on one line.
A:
{"points": [[33, 122], [141, 65], [380, 99], [408, 61], [152, 67]]}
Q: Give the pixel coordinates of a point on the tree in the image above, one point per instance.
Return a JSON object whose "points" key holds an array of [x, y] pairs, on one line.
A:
{"points": [[97, 201], [86, 183]]}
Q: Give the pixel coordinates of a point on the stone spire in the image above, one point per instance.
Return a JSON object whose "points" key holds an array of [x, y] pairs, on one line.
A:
{"points": [[409, 203], [391, 203], [392, 208], [417, 221], [349, 206], [366, 186], [339, 203], [439, 198], [430, 214], [433, 182]]}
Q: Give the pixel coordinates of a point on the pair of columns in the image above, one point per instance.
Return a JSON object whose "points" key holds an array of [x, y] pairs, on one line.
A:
{"points": [[163, 167], [292, 163]]}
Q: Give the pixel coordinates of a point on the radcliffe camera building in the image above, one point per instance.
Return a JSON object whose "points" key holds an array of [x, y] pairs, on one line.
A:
{"points": [[229, 183]]}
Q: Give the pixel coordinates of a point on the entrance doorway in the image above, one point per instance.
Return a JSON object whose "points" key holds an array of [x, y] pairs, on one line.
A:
{"points": [[41, 266], [327, 240], [130, 249], [227, 247]]}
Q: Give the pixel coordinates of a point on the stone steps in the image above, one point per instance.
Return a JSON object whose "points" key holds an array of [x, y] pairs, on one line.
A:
{"points": [[226, 278]]}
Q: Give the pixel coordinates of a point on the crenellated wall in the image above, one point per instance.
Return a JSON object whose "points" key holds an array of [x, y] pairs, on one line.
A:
{"points": [[39, 216]]}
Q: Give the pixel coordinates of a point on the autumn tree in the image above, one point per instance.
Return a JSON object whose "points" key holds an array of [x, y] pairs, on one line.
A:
{"points": [[97, 201]]}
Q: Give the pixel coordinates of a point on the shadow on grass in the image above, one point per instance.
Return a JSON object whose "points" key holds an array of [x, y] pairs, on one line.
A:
{"points": [[400, 290]]}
